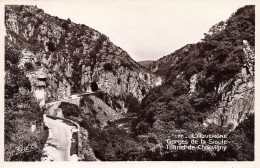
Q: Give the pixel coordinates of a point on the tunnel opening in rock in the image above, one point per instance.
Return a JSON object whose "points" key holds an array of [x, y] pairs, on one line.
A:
{"points": [[94, 86]]}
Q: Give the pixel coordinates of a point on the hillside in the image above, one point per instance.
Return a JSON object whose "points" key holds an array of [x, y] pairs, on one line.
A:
{"points": [[122, 108], [24, 128], [219, 32], [73, 56], [208, 87], [49, 59]]}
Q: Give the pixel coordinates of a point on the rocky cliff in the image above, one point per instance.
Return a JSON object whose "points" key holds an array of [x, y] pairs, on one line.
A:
{"points": [[211, 81], [237, 94], [73, 56]]}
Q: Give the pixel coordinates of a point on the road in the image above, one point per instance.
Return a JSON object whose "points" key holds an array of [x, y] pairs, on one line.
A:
{"points": [[58, 143]]}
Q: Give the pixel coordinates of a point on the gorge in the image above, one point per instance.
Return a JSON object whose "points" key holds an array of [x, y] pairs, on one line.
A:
{"points": [[83, 87]]}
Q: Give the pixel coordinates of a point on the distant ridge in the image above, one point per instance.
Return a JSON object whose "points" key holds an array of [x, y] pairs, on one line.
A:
{"points": [[146, 63]]}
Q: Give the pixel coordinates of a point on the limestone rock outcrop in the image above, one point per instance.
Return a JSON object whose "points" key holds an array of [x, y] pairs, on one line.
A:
{"points": [[73, 55], [237, 95]]}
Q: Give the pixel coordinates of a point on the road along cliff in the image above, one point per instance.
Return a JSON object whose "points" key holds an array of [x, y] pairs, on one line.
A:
{"points": [[59, 141]]}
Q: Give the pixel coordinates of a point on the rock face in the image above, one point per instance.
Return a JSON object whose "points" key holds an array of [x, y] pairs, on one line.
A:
{"points": [[193, 82], [237, 94], [74, 56], [120, 82], [237, 100], [216, 75]]}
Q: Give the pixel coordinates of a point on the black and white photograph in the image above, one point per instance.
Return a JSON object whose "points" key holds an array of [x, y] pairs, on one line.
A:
{"points": [[129, 80]]}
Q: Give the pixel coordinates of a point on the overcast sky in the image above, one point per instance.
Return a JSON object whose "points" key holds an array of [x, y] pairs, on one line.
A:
{"points": [[146, 29]]}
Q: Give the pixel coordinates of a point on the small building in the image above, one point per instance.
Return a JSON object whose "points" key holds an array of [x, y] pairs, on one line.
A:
{"points": [[39, 86]]}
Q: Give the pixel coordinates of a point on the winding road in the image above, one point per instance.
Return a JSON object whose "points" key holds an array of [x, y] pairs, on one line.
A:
{"points": [[57, 147], [58, 143]]}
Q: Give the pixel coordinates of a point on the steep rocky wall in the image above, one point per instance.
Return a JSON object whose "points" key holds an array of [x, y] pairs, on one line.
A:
{"points": [[237, 95], [120, 82], [74, 55]]}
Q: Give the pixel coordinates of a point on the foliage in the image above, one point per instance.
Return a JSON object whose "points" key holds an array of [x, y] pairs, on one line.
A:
{"points": [[21, 110], [113, 146], [69, 109], [108, 67], [241, 141], [166, 110], [51, 46], [217, 59], [65, 25], [14, 77], [110, 100], [181, 110], [132, 103], [28, 66]]}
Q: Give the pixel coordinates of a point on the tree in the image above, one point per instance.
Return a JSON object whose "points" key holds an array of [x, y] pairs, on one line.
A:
{"points": [[108, 67], [28, 66], [182, 110], [69, 109], [65, 25], [51, 46], [132, 104]]}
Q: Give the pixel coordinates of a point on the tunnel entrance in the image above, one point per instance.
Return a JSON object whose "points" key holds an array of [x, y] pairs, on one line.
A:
{"points": [[94, 86]]}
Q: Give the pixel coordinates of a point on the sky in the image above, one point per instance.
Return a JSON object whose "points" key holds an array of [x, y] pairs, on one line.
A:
{"points": [[146, 29]]}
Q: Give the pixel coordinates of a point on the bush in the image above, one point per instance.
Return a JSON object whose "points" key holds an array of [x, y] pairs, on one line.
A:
{"points": [[143, 91], [69, 109], [28, 66], [40, 11], [65, 25], [51, 46], [108, 67], [20, 111], [132, 104]]}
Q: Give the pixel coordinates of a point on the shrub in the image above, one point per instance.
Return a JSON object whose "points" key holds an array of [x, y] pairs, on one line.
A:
{"points": [[28, 66], [65, 25], [143, 91], [69, 109], [51, 46], [108, 67], [132, 104], [118, 81], [40, 11]]}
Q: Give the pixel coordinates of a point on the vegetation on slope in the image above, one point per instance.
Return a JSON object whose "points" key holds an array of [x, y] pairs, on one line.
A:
{"points": [[21, 111], [170, 109], [167, 110], [216, 59]]}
